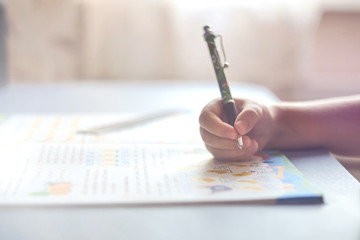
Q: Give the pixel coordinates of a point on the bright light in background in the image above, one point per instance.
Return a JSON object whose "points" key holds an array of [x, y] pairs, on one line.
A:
{"points": [[267, 42], [155, 39]]}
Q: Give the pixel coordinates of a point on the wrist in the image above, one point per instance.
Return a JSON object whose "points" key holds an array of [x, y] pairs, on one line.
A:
{"points": [[295, 126], [277, 128]]}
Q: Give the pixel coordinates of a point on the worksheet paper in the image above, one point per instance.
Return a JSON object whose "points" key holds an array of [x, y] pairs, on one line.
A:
{"points": [[45, 161]]}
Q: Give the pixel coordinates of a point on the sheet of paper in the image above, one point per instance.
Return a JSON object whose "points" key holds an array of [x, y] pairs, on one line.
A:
{"points": [[44, 161]]}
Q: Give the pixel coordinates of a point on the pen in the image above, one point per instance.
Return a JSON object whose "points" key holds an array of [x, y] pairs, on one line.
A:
{"points": [[228, 102], [129, 123]]}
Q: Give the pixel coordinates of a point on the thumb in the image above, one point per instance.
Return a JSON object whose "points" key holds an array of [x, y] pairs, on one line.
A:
{"points": [[247, 118]]}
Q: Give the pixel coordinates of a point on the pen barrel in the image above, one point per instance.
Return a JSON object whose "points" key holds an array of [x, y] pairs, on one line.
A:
{"points": [[228, 102], [219, 70], [230, 111]]}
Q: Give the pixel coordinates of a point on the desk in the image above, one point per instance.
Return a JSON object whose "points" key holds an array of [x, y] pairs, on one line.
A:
{"points": [[338, 218]]}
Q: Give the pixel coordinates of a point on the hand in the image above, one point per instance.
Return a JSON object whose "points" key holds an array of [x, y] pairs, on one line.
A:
{"points": [[255, 123]]}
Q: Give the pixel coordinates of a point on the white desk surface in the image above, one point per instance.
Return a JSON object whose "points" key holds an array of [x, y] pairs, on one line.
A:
{"points": [[337, 218]]}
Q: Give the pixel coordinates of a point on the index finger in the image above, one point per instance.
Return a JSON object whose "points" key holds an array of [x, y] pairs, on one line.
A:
{"points": [[211, 120]]}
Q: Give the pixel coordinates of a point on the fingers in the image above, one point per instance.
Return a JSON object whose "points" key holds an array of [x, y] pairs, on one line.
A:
{"points": [[250, 148], [247, 118], [222, 148], [211, 120], [217, 142], [220, 138]]}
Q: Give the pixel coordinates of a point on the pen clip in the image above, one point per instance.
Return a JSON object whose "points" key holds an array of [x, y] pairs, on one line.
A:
{"points": [[226, 64]]}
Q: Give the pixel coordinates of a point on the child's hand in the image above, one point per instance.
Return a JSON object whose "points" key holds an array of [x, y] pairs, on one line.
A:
{"points": [[254, 123]]}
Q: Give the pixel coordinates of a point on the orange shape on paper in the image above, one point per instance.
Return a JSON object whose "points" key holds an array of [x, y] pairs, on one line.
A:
{"points": [[248, 181], [242, 174], [59, 188], [206, 179], [216, 171]]}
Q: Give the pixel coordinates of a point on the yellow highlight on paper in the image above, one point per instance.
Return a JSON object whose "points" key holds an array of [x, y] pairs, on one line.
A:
{"points": [[248, 181], [205, 179], [242, 174], [216, 171], [59, 188]]}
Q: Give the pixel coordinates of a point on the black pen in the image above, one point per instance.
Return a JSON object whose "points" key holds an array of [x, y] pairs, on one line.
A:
{"points": [[228, 102]]}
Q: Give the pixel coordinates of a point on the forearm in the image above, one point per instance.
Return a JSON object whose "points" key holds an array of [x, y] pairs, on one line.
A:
{"points": [[333, 124]]}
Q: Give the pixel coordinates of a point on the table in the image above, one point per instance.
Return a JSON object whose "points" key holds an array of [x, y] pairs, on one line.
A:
{"points": [[338, 218]]}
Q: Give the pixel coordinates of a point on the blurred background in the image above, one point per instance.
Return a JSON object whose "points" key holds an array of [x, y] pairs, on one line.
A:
{"points": [[300, 49]]}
